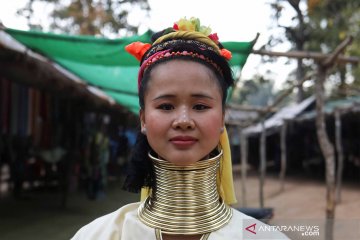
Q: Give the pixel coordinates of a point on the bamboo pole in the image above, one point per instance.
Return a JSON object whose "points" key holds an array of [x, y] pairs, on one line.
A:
{"points": [[340, 155], [244, 159], [283, 155], [262, 161]]}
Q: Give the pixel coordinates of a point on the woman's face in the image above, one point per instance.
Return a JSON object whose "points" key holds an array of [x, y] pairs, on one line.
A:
{"points": [[183, 114]]}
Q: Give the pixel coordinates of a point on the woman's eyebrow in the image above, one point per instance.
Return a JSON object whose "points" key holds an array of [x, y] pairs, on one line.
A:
{"points": [[164, 96], [195, 95]]}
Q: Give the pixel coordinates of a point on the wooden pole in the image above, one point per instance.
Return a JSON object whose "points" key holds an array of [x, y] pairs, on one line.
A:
{"points": [[244, 159], [262, 161], [326, 147], [283, 155], [307, 55], [272, 107], [246, 108], [340, 155], [327, 151]]}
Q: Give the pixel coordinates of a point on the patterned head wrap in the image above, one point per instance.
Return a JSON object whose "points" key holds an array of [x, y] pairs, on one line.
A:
{"points": [[187, 39]]}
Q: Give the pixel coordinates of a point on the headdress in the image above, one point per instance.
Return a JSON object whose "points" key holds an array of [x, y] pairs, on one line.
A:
{"points": [[184, 34], [189, 40]]}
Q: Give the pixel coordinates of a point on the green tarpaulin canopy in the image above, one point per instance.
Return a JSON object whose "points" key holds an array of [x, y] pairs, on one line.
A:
{"points": [[103, 63]]}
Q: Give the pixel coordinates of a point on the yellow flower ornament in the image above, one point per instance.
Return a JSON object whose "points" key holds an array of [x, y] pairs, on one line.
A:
{"points": [[193, 25]]}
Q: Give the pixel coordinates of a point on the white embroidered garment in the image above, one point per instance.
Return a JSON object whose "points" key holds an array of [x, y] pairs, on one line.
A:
{"points": [[124, 224]]}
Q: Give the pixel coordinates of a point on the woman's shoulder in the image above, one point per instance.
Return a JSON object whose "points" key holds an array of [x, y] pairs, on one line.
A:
{"points": [[108, 226], [242, 226]]}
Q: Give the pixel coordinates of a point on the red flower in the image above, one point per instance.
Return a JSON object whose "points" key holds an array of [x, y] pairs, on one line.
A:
{"points": [[214, 37], [175, 27]]}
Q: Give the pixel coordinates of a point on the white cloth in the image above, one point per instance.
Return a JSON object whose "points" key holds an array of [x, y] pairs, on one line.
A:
{"points": [[124, 224]]}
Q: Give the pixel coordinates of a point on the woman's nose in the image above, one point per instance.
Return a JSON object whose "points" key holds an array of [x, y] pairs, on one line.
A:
{"points": [[183, 120]]}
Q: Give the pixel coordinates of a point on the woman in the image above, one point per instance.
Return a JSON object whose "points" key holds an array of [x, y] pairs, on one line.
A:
{"points": [[181, 160]]}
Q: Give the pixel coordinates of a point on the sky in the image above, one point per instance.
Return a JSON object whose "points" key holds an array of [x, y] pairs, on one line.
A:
{"points": [[232, 20]]}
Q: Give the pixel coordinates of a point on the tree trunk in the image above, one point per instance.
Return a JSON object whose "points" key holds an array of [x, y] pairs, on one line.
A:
{"points": [[262, 161], [340, 155], [298, 36], [299, 76], [244, 156], [283, 155], [327, 151]]}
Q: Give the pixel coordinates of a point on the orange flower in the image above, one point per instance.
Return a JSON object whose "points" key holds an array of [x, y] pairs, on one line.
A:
{"points": [[226, 54], [137, 49]]}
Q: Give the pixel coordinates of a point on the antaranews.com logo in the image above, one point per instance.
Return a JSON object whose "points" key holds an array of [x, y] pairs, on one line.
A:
{"points": [[300, 229], [303, 229], [258, 230]]}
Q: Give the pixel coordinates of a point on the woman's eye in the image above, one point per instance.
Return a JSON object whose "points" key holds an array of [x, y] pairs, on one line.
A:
{"points": [[166, 107], [200, 107]]}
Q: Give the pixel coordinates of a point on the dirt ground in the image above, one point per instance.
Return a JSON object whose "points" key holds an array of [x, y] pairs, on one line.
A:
{"points": [[38, 216], [303, 202]]}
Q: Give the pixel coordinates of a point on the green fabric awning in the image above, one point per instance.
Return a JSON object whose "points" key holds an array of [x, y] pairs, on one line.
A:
{"points": [[104, 63]]}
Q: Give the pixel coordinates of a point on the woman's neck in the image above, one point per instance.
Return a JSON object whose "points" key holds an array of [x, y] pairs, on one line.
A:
{"points": [[185, 199]]}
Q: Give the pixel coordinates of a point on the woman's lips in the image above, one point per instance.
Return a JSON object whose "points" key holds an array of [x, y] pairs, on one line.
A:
{"points": [[183, 141]]}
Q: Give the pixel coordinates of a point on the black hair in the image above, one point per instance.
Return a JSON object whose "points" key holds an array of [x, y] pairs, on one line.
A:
{"points": [[140, 172]]}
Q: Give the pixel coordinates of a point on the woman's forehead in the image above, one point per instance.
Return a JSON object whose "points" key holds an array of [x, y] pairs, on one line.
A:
{"points": [[182, 73], [183, 67], [182, 83]]}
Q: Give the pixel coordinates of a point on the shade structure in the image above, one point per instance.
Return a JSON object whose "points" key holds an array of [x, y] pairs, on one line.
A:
{"points": [[103, 63]]}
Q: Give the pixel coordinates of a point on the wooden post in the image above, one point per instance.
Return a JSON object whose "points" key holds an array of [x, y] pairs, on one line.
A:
{"points": [[308, 55], [283, 155], [327, 151], [326, 147], [262, 161], [244, 156], [340, 155]]}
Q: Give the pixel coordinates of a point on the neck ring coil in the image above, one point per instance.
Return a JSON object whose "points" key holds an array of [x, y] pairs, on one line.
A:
{"points": [[185, 199]]}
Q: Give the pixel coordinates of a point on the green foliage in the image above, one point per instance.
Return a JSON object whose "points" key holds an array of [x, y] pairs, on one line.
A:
{"points": [[89, 17], [332, 21], [320, 26]]}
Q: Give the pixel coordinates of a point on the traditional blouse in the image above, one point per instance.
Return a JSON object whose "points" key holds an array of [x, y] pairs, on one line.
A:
{"points": [[124, 224]]}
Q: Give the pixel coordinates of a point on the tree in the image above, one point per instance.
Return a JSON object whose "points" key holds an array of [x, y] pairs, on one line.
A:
{"points": [[297, 33], [320, 25], [88, 17], [332, 21]]}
